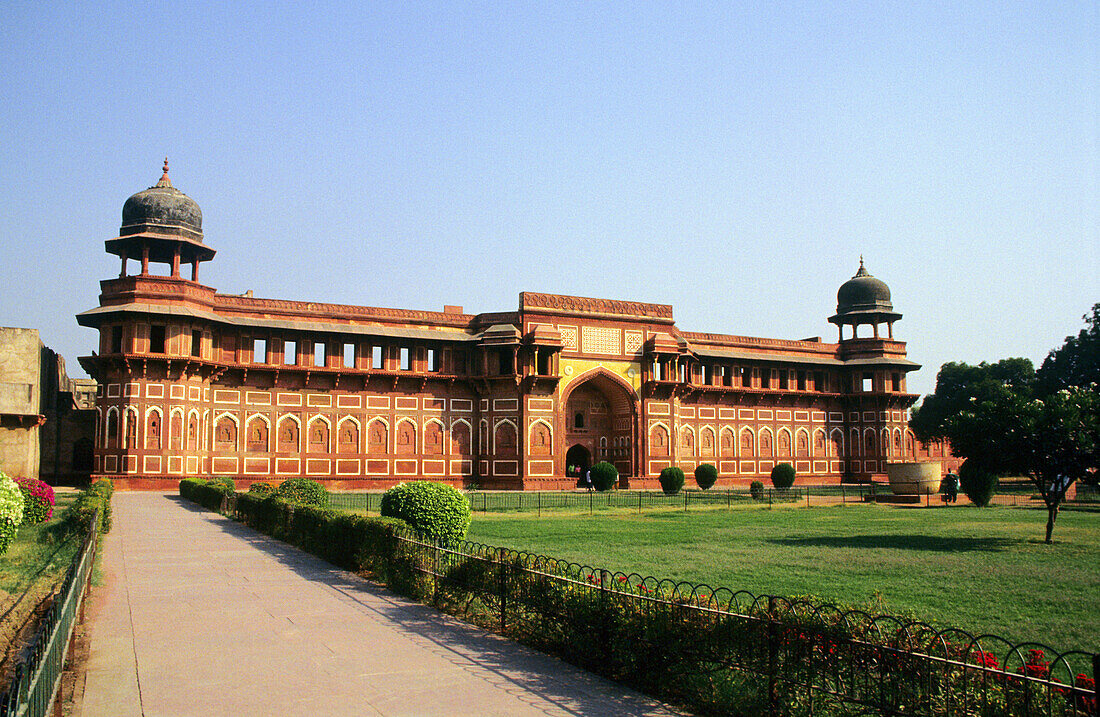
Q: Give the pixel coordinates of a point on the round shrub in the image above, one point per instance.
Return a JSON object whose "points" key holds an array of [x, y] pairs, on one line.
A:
{"points": [[756, 490], [604, 476], [706, 475], [783, 476], [672, 480], [977, 483], [303, 491], [11, 511], [38, 500], [261, 488], [439, 511]]}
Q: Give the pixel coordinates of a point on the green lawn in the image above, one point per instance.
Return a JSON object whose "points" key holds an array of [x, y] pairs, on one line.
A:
{"points": [[30, 570], [983, 570]]}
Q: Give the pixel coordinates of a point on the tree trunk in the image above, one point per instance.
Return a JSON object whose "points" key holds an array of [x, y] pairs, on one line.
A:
{"points": [[1052, 515]]}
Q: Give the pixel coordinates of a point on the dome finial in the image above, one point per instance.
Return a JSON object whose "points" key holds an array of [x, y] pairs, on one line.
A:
{"points": [[862, 269], [164, 180]]}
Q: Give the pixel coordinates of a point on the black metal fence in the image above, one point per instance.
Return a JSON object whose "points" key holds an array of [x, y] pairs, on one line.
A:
{"points": [[723, 651], [34, 687]]}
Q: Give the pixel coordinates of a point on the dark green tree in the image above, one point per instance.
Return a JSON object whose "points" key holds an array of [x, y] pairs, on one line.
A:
{"points": [[1010, 421], [1077, 362]]}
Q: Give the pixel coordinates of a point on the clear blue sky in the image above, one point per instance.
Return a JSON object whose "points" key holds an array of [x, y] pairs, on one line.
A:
{"points": [[731, 159]]}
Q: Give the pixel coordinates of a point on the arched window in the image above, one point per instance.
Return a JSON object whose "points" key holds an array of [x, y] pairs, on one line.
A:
{"points": [[658, 441], [152, 430], [707, 442], [819, 442], [727, 444], [540, 439], [836, 443], [225, 434], [406, 438], [193, 432], [112, 427], [869, 442], [256, 435], [687, 441], [766, 443], [318, 436], [347, 436], [801, 444], [504, 440], [130, 440], [460, 439], [176, 435], [578, 421], [784, 444], [433, 439], [747, 447], [288, 435]]}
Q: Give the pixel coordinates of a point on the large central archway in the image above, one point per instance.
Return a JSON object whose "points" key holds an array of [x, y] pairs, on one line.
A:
{"points": [[601, 416]]}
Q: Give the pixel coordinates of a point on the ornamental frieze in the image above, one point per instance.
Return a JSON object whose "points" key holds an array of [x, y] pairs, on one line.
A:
{"points": [[580, 304]]}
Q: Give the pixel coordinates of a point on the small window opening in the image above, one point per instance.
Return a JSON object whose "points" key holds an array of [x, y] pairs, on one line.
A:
{"points": [[578, 421], [658, 373], [504, 362], [895, 382], [765, 378], [432, 366], [682, 373], [404, 360], [319, 353], [376, 357], [349, 355], [801, 380], [868, 382], [543, 367], [196, 342], [784, 380], [116, 339], [819, 381], [746, 377], [290, 352], [156, 339]]}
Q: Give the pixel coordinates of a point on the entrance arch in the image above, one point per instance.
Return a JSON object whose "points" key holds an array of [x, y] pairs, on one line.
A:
{"points": [[601, 416], [579, 460]]}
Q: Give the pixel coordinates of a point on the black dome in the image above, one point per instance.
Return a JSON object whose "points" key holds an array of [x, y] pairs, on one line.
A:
{"points": [[863, 292], [164, 206]]}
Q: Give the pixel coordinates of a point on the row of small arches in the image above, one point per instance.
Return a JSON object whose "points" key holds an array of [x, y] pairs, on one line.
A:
{"points": [[781, 443]]}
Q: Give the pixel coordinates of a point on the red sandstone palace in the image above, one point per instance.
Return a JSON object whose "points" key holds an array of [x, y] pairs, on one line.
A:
{"points": [[193, 382]]}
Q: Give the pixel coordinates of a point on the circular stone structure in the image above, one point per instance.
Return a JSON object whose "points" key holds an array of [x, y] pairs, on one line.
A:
{"points": [[914, 477], [164, 207]]}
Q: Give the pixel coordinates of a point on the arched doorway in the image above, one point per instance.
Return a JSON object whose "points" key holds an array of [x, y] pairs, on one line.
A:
{"points": [[601, 417], [577, 461]]}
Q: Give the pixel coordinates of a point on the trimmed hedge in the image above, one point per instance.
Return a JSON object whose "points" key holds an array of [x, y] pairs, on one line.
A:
{"points": [[783, 476], [437, 510], [303, 491], [977, 483], [604, 476], [38, 500], [210, 494], [706, 475], [261, 488], [79, 513], [672, 480], [756, 490], [11, 511]]}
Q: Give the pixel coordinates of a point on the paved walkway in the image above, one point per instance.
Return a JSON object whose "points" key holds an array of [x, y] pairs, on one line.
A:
{"points": [[199, 615]]}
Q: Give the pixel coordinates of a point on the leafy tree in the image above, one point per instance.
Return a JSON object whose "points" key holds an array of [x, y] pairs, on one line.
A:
{"points": [[1009, 420], [1077, 362]]}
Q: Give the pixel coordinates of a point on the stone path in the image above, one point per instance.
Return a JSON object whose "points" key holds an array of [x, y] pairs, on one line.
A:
{"points": [[199, 615]]}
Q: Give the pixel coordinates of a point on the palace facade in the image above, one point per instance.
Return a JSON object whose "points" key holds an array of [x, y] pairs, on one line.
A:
{"points": [[194, 382]]}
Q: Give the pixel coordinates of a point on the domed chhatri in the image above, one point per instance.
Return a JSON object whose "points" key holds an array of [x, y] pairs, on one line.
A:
{"points": [[161, 225], [164, 209], [864, 299], [863, 292]]}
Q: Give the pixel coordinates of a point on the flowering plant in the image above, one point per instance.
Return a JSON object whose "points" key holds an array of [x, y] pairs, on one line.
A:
{"points": [[11, 511], [38, 500]]}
